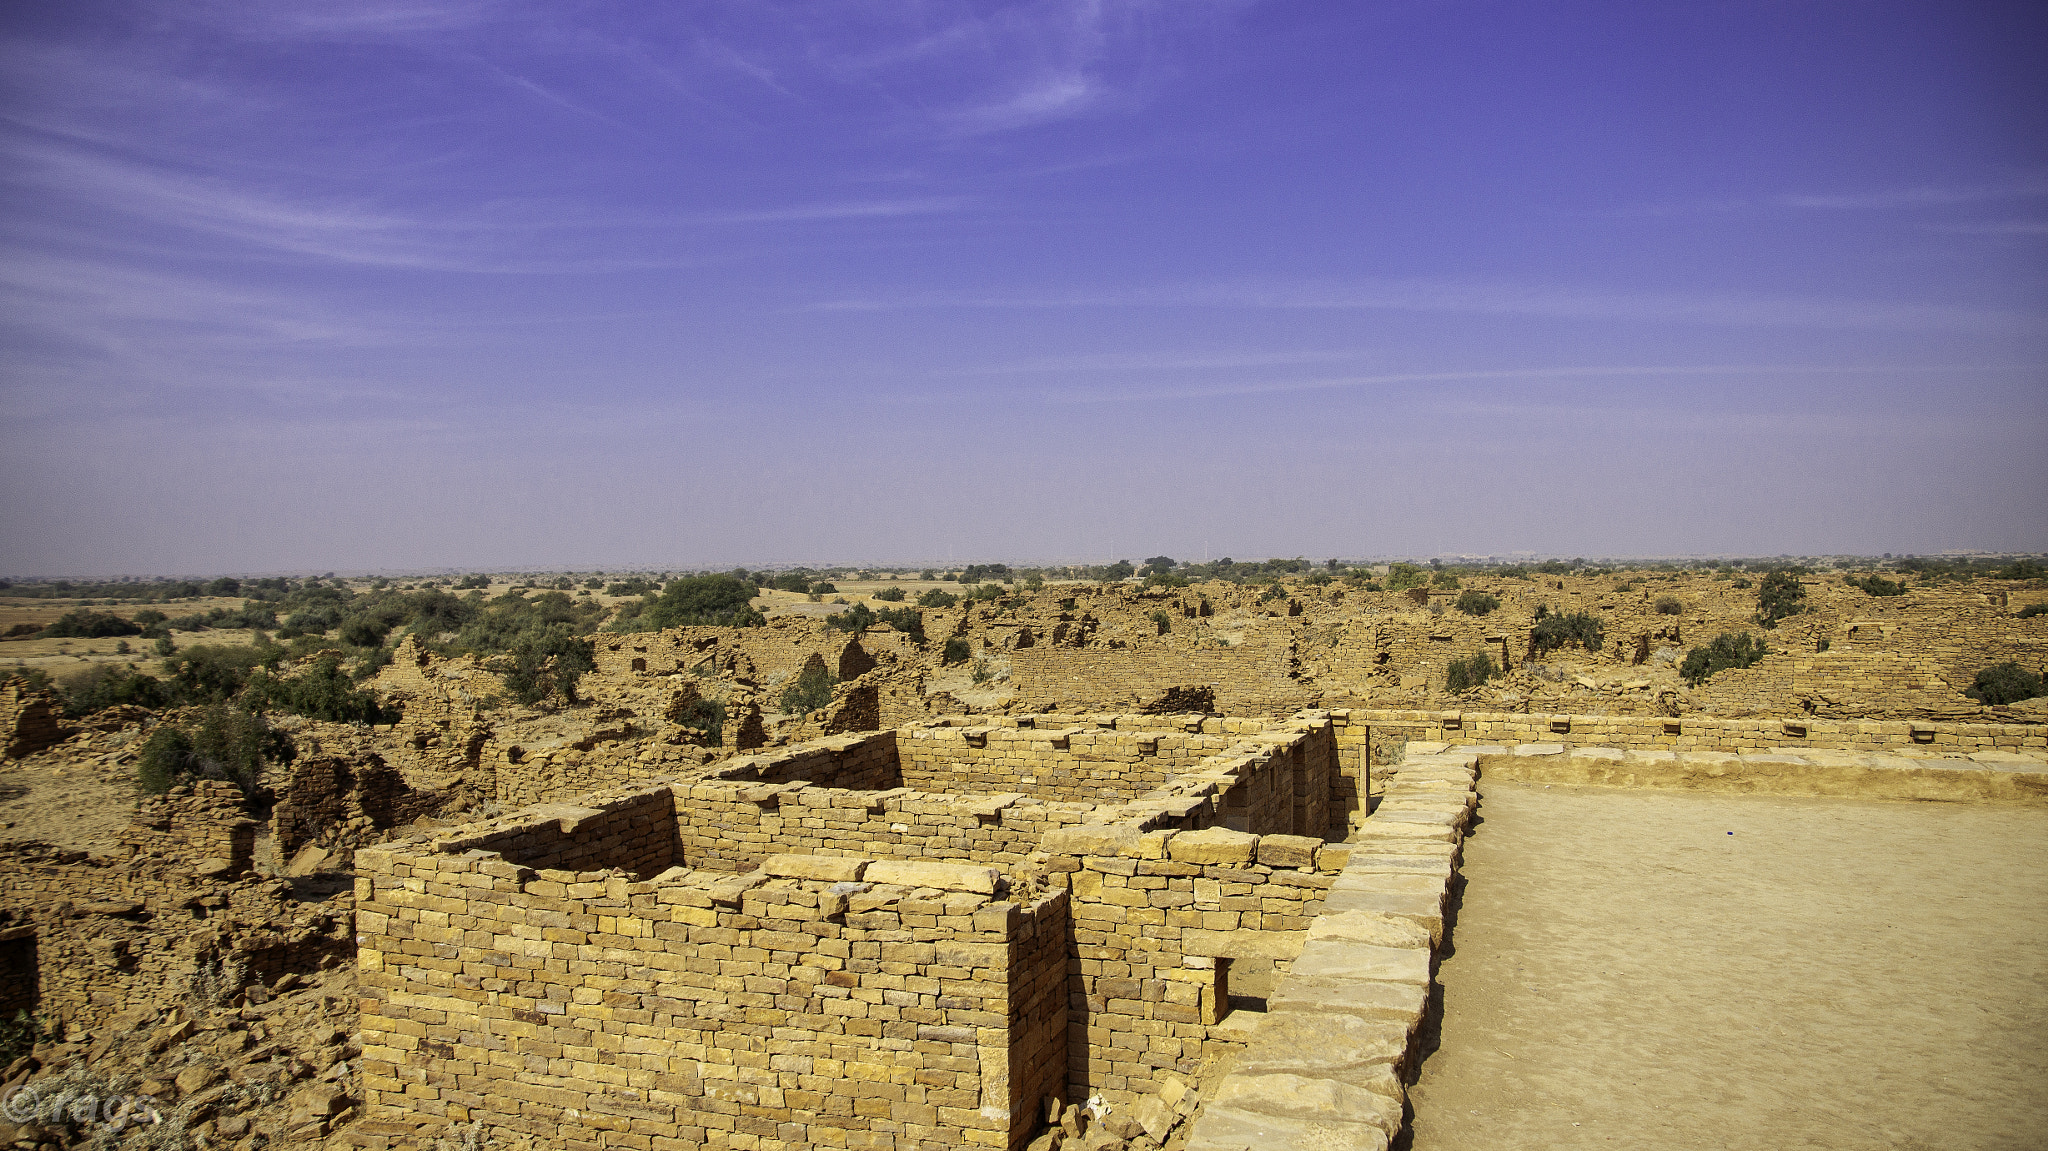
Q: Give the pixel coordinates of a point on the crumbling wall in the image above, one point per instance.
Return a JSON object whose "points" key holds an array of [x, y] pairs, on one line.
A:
{"points": [[1255, 677], [632, 832], [179, 919], [30, 720]]}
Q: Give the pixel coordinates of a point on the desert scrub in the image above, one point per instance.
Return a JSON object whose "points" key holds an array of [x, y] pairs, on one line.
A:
{"points": [[1469, 673], [1668, 605], [1554, 631], [2003, 683], [1780, 596], [956, 651], [1476, 602], [1729, 649], [811, 691]]}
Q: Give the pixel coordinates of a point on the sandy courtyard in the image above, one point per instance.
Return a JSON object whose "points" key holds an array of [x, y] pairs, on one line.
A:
{"points": [[1836, 973]]}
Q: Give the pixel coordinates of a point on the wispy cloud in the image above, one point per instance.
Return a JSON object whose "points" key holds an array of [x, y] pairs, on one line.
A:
{"points": [[1501, 298], [2025, 187], [1500, 375]]}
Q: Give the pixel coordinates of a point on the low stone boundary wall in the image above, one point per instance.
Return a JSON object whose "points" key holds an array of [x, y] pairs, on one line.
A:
{"points": [[1998, 776], [1323, 1071]]}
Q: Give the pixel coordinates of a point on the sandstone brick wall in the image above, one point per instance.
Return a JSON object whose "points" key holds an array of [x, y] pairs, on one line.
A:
{"points": [[632, 832], [1153, 913], [1249, 679], [769, 1011], [733, 825], [1388, 728], [1083, 764]]}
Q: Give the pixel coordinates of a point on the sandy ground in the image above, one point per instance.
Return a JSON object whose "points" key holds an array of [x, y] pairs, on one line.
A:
{"points": [[81, 807], [1836, 973]]}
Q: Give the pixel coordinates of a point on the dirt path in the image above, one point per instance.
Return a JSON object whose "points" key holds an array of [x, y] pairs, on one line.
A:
{"points": [[1836, 973]]}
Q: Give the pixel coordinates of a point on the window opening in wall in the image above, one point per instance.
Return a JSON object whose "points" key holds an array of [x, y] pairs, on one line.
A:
{"points": [[18, 989]]}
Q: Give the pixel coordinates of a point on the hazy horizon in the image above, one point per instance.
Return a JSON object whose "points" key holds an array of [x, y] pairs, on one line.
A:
{"points": [[472, 285]]}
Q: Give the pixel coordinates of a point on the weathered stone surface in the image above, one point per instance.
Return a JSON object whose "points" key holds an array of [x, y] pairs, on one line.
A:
{"points": [[945, 876], [1339, 959], [1369, 927], [1090, 839], [1288, 850], [825, 868], [1215, 845], [1243, 944]]}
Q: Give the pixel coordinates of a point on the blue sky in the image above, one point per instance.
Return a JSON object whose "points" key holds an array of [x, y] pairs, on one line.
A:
{"points": [[407, 285]]}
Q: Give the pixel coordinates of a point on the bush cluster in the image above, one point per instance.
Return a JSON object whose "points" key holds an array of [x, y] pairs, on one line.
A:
{"points": [[229, 743], [2033, 609], [890, 595], [1476, 602], [1470, 672], [1780, 596], [1554, 631], [937, 598], [810, 691], [1668, 605], [1878, 585], [2004, 683], [956, 651], [861, 617], [81, 623], [1737, 649]]}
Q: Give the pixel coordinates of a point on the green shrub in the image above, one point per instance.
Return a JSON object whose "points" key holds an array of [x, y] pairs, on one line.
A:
{"points": [[322, 691], [890, 595], [1736, 649], [718, 600], [980, 673], [1476, 602], [1470, 672], [1780, 596], [548, 661], [1555, 631], [214, 673], [956, 651], [1878, 585], [823, 587], [1738, 583], [2033, 609], [1163, 621], [2003, 683], [1401, 577], [2024, 569], [811, 690], [1668, 605], [105, 685], [229, 744], [985, 592], [1446, 580], [82, 624], [708, 716], [478, 582], [937, 598]]}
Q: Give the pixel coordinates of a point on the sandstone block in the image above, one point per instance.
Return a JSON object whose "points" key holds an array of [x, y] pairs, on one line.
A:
{"points": [[1338, 959], [1090, 839], [945, 876], [1216, 845], [1369, 927], [1288, 850], [823, 868], [1242, 944]]}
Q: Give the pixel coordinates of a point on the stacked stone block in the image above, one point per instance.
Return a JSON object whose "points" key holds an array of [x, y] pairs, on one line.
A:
{"points": [[813, 1002]]}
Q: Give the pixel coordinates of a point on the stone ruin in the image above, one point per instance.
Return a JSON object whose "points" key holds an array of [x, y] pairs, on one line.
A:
{"points": [[889, 923]]}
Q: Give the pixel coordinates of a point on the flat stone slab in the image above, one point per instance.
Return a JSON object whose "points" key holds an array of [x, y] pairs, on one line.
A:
{"points": [[1367, 999], [1337, 959]]}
